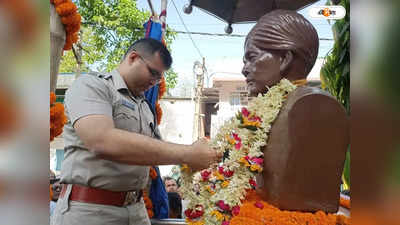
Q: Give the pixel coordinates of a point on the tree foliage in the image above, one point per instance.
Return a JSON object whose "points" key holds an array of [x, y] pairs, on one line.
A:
{"points": [[335, 73], [109, 28]]}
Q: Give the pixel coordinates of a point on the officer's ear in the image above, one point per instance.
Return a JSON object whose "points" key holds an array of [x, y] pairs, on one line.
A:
{"points": [[131, 56]]}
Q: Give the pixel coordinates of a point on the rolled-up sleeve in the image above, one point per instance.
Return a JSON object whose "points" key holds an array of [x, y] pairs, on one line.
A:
{"points": [[88, 95]]}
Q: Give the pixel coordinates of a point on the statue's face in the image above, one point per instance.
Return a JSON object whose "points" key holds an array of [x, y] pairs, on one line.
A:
{"points": [[261, 68]]}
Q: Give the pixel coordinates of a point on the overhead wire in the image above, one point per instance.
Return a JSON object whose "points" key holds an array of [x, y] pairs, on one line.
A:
{"points": [[187, 30]]}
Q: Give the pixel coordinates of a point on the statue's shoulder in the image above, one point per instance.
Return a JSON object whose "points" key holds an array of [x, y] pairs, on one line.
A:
{"points": [[311, 96]]}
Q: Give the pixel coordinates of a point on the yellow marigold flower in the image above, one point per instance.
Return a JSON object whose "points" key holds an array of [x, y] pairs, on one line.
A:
{"points": [[225, 184], [244, 161], [185, 167], [219, 176], [210, 190], [191, 222], [230, 140], [218, 215], [255, 167]]}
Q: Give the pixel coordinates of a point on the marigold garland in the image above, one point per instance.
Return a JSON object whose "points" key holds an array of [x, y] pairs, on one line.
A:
{"points": [[148, 204], [251, 212], [51, 192], [71, 19], [57, 117], [147, 201], [161, 91]]}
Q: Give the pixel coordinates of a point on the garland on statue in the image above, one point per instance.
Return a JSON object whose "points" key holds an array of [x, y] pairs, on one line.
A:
{"points": [[257, 212], [224, 187]]}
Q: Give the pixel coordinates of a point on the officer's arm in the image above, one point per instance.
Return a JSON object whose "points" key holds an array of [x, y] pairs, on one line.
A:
{"points": [[101, 137]]}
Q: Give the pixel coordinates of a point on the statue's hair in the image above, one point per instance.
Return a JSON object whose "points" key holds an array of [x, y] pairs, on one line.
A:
{"points": [[286, 30]]}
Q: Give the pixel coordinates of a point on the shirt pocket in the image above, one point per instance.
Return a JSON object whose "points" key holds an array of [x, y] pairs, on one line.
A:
{"points": [[126, 117]]}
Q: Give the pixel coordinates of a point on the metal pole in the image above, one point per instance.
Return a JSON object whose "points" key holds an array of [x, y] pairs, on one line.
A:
{"points": [[151, 7]]}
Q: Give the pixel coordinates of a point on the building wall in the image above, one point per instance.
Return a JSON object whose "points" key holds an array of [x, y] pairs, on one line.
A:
{"points": [[177, 120]]}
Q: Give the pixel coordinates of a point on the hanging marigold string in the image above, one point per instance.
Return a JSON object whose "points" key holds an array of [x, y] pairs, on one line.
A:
{"points": [[147, 201], [57, 117], [71, 19], [161, 91], [148, 204]]}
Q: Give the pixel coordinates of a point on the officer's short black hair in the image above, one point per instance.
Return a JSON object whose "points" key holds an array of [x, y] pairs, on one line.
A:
{"points": [[148, 47]]}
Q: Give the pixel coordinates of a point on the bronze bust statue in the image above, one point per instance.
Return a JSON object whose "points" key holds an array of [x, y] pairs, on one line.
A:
{"points": [[304, 158]]}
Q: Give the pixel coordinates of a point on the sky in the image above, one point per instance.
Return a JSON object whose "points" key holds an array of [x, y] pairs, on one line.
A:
{"points": [[222, 54]]}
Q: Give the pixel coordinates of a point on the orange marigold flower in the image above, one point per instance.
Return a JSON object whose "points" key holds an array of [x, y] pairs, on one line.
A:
{"points": [[74, 18], [68, 44], [66, 8], [162, 88], [57, 117], [53, 98], [73, 28], [153, 173], [251, 213], [58, 2], [159, 112]]}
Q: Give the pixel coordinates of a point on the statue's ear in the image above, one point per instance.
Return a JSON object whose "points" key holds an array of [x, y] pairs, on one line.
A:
{"points": [[286, 60]]}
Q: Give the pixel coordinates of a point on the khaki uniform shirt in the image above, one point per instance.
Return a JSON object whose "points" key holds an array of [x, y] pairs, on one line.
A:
{"points": [[104, 94]]}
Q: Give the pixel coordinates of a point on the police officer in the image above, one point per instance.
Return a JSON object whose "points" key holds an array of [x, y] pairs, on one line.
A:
{"points": [[110, 142]]}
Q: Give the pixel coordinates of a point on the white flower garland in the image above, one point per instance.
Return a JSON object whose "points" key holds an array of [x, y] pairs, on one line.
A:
{"points": [[221, 188]]}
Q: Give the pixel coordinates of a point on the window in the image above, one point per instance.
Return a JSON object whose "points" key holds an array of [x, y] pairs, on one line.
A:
{"points": [[238, 98]]}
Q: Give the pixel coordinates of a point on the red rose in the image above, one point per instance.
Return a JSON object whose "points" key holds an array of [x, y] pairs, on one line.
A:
{"points": [[235, 210]]}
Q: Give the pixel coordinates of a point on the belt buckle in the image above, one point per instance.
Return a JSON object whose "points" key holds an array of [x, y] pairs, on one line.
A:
{"points": [[130, 197]]}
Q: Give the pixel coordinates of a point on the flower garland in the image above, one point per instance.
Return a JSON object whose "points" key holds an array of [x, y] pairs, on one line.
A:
{"points": [[161, 91], [257, 212], [147, 201], [71, 19], [224, 187], [148, 204], [57, 117]]}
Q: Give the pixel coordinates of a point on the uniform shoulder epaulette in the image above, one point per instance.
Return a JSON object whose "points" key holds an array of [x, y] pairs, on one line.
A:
{"points": [[99, 74]]}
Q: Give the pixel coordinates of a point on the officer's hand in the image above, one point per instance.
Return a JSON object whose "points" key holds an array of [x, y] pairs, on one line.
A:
{"points": [[201, 156]]}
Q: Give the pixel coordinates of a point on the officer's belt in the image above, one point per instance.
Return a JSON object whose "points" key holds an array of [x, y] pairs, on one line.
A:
{"points": [[86, 194]]}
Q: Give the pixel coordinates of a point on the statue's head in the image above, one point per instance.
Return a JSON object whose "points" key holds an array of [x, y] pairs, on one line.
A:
{"points": [[283, 44]]}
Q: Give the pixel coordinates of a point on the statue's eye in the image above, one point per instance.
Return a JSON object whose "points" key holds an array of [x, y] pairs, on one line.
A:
{"points": [[252, 57]]}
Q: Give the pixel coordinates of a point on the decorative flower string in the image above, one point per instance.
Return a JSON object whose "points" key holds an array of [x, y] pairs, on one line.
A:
{"points": [[147, 201], [161, 91], [57, 117], [71, 19], [148, 204], [223, 187]]}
